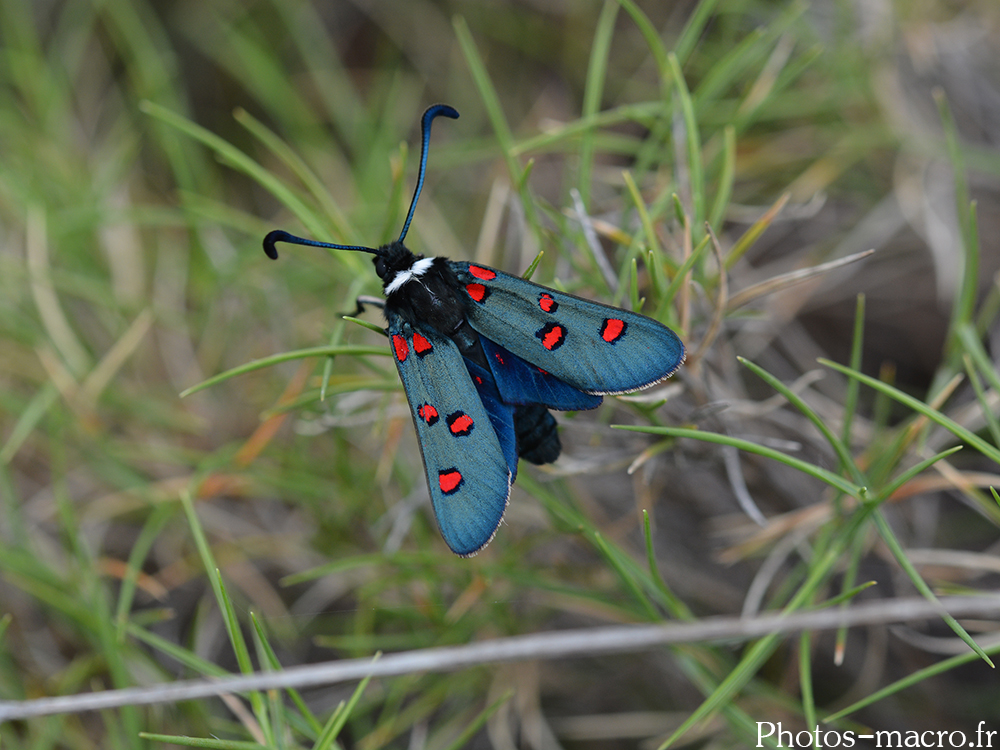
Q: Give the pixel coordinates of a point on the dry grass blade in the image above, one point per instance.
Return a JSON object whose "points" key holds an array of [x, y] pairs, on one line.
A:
{"points": [[581, 215], [814, 516], [785, 280], [102, 375], [50, 309], [552, 645]]}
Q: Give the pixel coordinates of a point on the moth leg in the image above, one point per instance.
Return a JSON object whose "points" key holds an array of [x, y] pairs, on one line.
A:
{"points": [[361, 301]]}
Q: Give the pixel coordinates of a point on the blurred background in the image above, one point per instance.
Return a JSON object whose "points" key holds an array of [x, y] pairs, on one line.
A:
{"points": [[146, 148]]}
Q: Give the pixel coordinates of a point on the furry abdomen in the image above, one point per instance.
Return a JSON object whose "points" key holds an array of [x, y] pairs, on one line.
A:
{"points": [[537, 434]]}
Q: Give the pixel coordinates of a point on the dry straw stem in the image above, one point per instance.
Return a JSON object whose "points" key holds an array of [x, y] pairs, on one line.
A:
{"points": [[778, 283], [583, 642]]}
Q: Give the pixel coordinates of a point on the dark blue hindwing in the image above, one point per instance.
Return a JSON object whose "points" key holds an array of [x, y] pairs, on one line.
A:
{"points": [[521, 382]]}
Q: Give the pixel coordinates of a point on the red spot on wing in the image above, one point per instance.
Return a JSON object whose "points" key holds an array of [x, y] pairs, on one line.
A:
{"points": [[460, 423], [449, 480], [478, 292], [482, 273], [421, 345], [613, 329], [428, 413], [547, 303], [399, 347], [499, 358], [552, 336]]}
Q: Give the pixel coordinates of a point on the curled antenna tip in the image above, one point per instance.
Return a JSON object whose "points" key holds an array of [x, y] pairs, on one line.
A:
{"points": [[441, 109], [280, 235], [269, 243]]}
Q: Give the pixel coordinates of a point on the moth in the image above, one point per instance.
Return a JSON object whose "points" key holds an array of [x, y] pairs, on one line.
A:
{"points": [[483, 356]]}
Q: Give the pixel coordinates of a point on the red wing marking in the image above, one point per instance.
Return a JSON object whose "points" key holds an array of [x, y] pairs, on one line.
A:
{"points": [[399, 346], [421, 345], [552, 336], [460, 423], [428, 413], [613, 329], [478, 292], [482, 273], [547, 304], [449, 480]]}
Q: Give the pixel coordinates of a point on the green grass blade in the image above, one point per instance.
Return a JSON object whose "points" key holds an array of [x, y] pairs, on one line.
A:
{"points": [[914, 678], [853, 387], [495, 112], [675, 604], [963, 201], [274, 721], [806, 679], [828, 477], [889, 538], [973, 347], [593, 91], [315, 351], [729, 68], [338, 221], [613, 559], [635, 301], [844, 456], [992, 424], [751, 235], [222, 599], [727, 177], [695, 27], [566, 134], [918, 406], [692, 149], [759, 652], [651, 35], [238, 160], [845, 596], [466, 736], [886, 492], [211, 743], [755, 657], [339, 718], [181, 654], [271, 659], [681, 276], [137, 556], [28, 421]]}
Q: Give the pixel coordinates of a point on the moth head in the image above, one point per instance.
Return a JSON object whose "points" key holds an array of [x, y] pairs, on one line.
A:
{"points": [[391, 259]]}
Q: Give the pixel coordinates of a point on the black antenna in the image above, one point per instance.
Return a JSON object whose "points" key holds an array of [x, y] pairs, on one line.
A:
{"points": [[279, 235]]}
